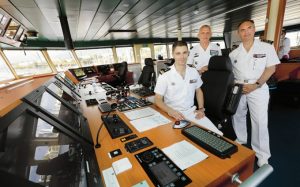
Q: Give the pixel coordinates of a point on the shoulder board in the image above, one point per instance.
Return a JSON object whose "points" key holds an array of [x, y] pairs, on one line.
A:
{"points": [[267, 41], [191, 65], [162, 71], [191, 47]]}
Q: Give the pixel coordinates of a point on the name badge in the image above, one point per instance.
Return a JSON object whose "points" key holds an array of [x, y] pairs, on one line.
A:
{"points": [[193, 81], [214, 52], [259, 55]]}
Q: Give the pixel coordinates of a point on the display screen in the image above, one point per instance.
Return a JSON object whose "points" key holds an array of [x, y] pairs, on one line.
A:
{"points": [[61, 77], [79, 72], [63, 92], [59, 110], [163, 173], [36, 151]]}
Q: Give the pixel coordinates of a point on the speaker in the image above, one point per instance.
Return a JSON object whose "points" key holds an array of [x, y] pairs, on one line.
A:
{"points": [[66, 31]]}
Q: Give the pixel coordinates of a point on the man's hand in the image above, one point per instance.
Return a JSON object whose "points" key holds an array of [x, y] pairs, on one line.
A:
{"points": [[247, 88], [175, 114], [199, 114], [203, 69]]}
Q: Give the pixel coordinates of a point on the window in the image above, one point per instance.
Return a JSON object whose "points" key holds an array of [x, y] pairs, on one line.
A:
{"points": [[5, 73], [170, 50], [91, 57], [29, 62], [294, 38], [125, 54], [62, 59], [221, 43], [145, 53], [160, 50]]}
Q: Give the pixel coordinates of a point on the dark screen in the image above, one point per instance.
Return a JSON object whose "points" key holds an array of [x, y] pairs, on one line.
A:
{"points": [[60, 110], [36, 151], [163, 173], [64, 93]]}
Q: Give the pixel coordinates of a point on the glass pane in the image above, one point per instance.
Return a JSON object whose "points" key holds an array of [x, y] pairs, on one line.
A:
{"points": [[125, 54], [11, 30], [220, 43], [170, 50], [294, 38], [145, 53], [62, 59], [95, 56], [27, 63], [160, 51], [5, 73]]}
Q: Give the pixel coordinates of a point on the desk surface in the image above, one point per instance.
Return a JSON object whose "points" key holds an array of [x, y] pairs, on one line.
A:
{"points": [[10, 97], [213, 171]]}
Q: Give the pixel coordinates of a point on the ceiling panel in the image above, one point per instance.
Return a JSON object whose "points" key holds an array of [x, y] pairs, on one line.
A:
{"points": [[90, 20]]}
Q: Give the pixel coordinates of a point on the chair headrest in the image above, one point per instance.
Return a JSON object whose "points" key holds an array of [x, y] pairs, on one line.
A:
{"points": [[220, 63], [149, 62]]}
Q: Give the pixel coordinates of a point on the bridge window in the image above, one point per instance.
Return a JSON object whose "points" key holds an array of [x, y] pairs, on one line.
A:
{"points": [[91, 57], [5, 73], [160, 50], [27, 63], [62, 59], [125, 54], [145, 53], [294, 38]]}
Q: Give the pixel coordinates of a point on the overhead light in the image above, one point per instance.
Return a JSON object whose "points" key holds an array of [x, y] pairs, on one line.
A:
{"points": [[126, 5]]}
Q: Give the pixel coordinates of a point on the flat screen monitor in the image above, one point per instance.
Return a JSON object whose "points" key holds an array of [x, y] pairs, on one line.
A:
{"points": [[78, 73], [61, 111], [35, 151], [67, 82], [63, 92]]}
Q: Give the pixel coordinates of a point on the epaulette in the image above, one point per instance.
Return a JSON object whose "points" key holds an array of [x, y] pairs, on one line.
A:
{"points": [[191, 47], [267, 41], [191, 65], [162, 71]]}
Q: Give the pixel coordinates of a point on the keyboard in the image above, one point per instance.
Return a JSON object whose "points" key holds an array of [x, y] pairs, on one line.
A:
{"points": [[210, 141]]}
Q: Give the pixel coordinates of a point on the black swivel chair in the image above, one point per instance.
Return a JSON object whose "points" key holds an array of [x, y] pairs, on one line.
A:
{"points": [[147, 79], [220, 103], [148, 76], [122, 70]]}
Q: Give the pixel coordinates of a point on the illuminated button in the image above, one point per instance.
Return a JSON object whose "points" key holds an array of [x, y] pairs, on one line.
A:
{"points": [[178, 174], [183, 178], [174, 169]]}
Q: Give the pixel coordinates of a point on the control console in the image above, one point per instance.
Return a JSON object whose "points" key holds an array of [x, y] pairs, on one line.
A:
{"points": [[160, 169], [132, 103], [138, 144], [115, 126]]}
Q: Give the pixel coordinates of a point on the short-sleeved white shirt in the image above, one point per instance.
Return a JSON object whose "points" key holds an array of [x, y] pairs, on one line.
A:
{"points": [[251, 65], [178, 92], [200, 57], [285, 47]]}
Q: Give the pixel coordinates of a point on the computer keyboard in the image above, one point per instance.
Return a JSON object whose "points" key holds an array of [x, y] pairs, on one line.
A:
{"points": [[211, 141]]}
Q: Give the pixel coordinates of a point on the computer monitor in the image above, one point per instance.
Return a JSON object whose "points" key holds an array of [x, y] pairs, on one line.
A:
{"points": [[103, 69], [63, 92], [78, 73], [61, 111], [67, 82], [37, 151]]}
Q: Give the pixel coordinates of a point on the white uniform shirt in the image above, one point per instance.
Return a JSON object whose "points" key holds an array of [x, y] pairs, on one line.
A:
{"points": [[200, 57], [285, 48], [249, 66], [178, 93]]}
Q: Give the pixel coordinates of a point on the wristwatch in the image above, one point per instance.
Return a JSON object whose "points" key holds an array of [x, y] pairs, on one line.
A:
{"points": [[258, 84]]}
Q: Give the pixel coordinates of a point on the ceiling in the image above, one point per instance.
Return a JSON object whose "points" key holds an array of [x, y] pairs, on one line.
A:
{"points": [[90, 21]]}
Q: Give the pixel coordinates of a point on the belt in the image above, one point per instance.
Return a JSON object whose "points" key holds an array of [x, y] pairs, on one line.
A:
{"points": [[248, 81]]}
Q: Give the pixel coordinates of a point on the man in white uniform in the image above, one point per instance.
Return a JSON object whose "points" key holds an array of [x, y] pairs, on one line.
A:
{"points": [[175, 90], [285, 46], [253, 64], [201, 53]]}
